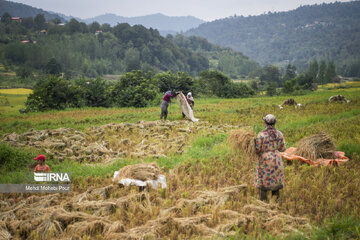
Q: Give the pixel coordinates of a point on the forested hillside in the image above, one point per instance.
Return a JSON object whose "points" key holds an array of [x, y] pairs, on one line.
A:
{"points": [[164, 24], [323, 32], [233, 63], [92, 50], [22, 10], [34, 45]]}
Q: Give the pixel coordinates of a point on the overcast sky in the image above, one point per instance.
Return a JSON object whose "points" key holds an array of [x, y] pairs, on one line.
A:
{"points": [[207, 10]]}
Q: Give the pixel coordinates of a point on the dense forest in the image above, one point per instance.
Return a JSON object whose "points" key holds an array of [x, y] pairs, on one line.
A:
{"points": [[92, 49], [164, 24], [35, 45], [328, 32], [23, 10], [226, 60]]}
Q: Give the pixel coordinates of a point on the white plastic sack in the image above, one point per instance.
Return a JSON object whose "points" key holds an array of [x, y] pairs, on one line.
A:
{"points": [[185, 107], [161, 180]]}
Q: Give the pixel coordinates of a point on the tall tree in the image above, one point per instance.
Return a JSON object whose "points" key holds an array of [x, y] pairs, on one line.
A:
{"points": [[270, 74], [53, 67], [330, 72], [28, 22], [73, 26], [290, 72], [313, 70], [322, 69], [40, 21], [93, 27], [6, 18], [132, 59]]}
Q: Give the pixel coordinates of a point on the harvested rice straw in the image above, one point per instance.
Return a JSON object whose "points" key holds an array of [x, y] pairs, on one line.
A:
{"points": [[316, 146], [243, 140], [143, 172], [289, 102]]}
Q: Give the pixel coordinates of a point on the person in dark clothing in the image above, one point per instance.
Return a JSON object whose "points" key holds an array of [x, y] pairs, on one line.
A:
{"points": [[165, 103]]}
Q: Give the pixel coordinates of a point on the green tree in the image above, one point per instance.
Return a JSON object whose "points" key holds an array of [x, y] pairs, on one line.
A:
{"points": [[95, 92], [53, 67], [290, 72], [305, 81], [73, 26], [132, 59], [254, 85], [53, 93], [183, 82], [322, 69], [28, 22], [313, 70], [166, 81], [39, 21], [270, 74], [105, 27], [135, 89], [215, 81], [330, 72], [6, 18], [271, 89], [24, 72], [288, 86], [93, 27]]}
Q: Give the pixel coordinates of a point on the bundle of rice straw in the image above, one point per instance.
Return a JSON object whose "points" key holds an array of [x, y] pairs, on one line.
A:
{"points": [[337, 98], [316, 146], [142, 171], [243, 140], [290, 102]]}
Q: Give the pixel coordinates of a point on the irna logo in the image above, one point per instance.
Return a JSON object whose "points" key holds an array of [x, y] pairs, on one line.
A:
{"points": [[51, 177]]}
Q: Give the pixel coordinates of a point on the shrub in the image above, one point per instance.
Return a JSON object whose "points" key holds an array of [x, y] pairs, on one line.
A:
{"points": [[94, 92], [135, 89], [180, 81], [12, 159], [53, 93]]}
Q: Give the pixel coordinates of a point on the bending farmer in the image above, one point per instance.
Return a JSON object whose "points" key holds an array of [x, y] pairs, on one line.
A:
{"points": [[165, 103], [269, 173]]}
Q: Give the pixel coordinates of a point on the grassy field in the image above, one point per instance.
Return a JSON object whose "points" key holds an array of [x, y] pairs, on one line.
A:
{"points": [[11, 100], [327, 197]]}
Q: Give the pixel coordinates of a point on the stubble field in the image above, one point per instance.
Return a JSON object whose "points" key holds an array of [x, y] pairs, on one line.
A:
{"points": [[210, 192]]}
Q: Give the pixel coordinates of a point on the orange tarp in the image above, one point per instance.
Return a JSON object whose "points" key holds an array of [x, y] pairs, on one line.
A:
{"points": [[289, 154]]}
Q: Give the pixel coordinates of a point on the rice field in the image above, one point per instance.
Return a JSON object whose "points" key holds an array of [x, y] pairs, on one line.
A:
{"points": [[16, 91], [12, 100], [316, 202]]}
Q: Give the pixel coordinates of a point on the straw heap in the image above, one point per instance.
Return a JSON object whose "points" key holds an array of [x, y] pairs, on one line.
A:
{"points": [[316, 146], [143, 172], [243, 140]]}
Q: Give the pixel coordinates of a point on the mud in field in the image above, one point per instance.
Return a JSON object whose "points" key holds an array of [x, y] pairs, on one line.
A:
{"points": [[112, 212], [111, 141]]}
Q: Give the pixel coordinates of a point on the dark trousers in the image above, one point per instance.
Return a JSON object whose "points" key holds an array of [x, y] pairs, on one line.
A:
{"points": [[164, 109], [163, 114], [263, 194]]}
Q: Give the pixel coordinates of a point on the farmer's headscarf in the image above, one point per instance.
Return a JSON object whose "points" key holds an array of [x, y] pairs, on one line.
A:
{"points": [[190, 97], [168, 92], [270, 121]]}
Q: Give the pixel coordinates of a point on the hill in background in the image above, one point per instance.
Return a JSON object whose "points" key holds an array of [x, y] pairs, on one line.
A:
{"points": [[326, 31], [22, 10], [164, 24]]}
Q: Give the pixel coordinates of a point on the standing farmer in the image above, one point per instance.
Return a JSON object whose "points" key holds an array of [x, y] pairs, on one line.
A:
{"points": [[269, 173], [165, 103], [190, 100]]}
